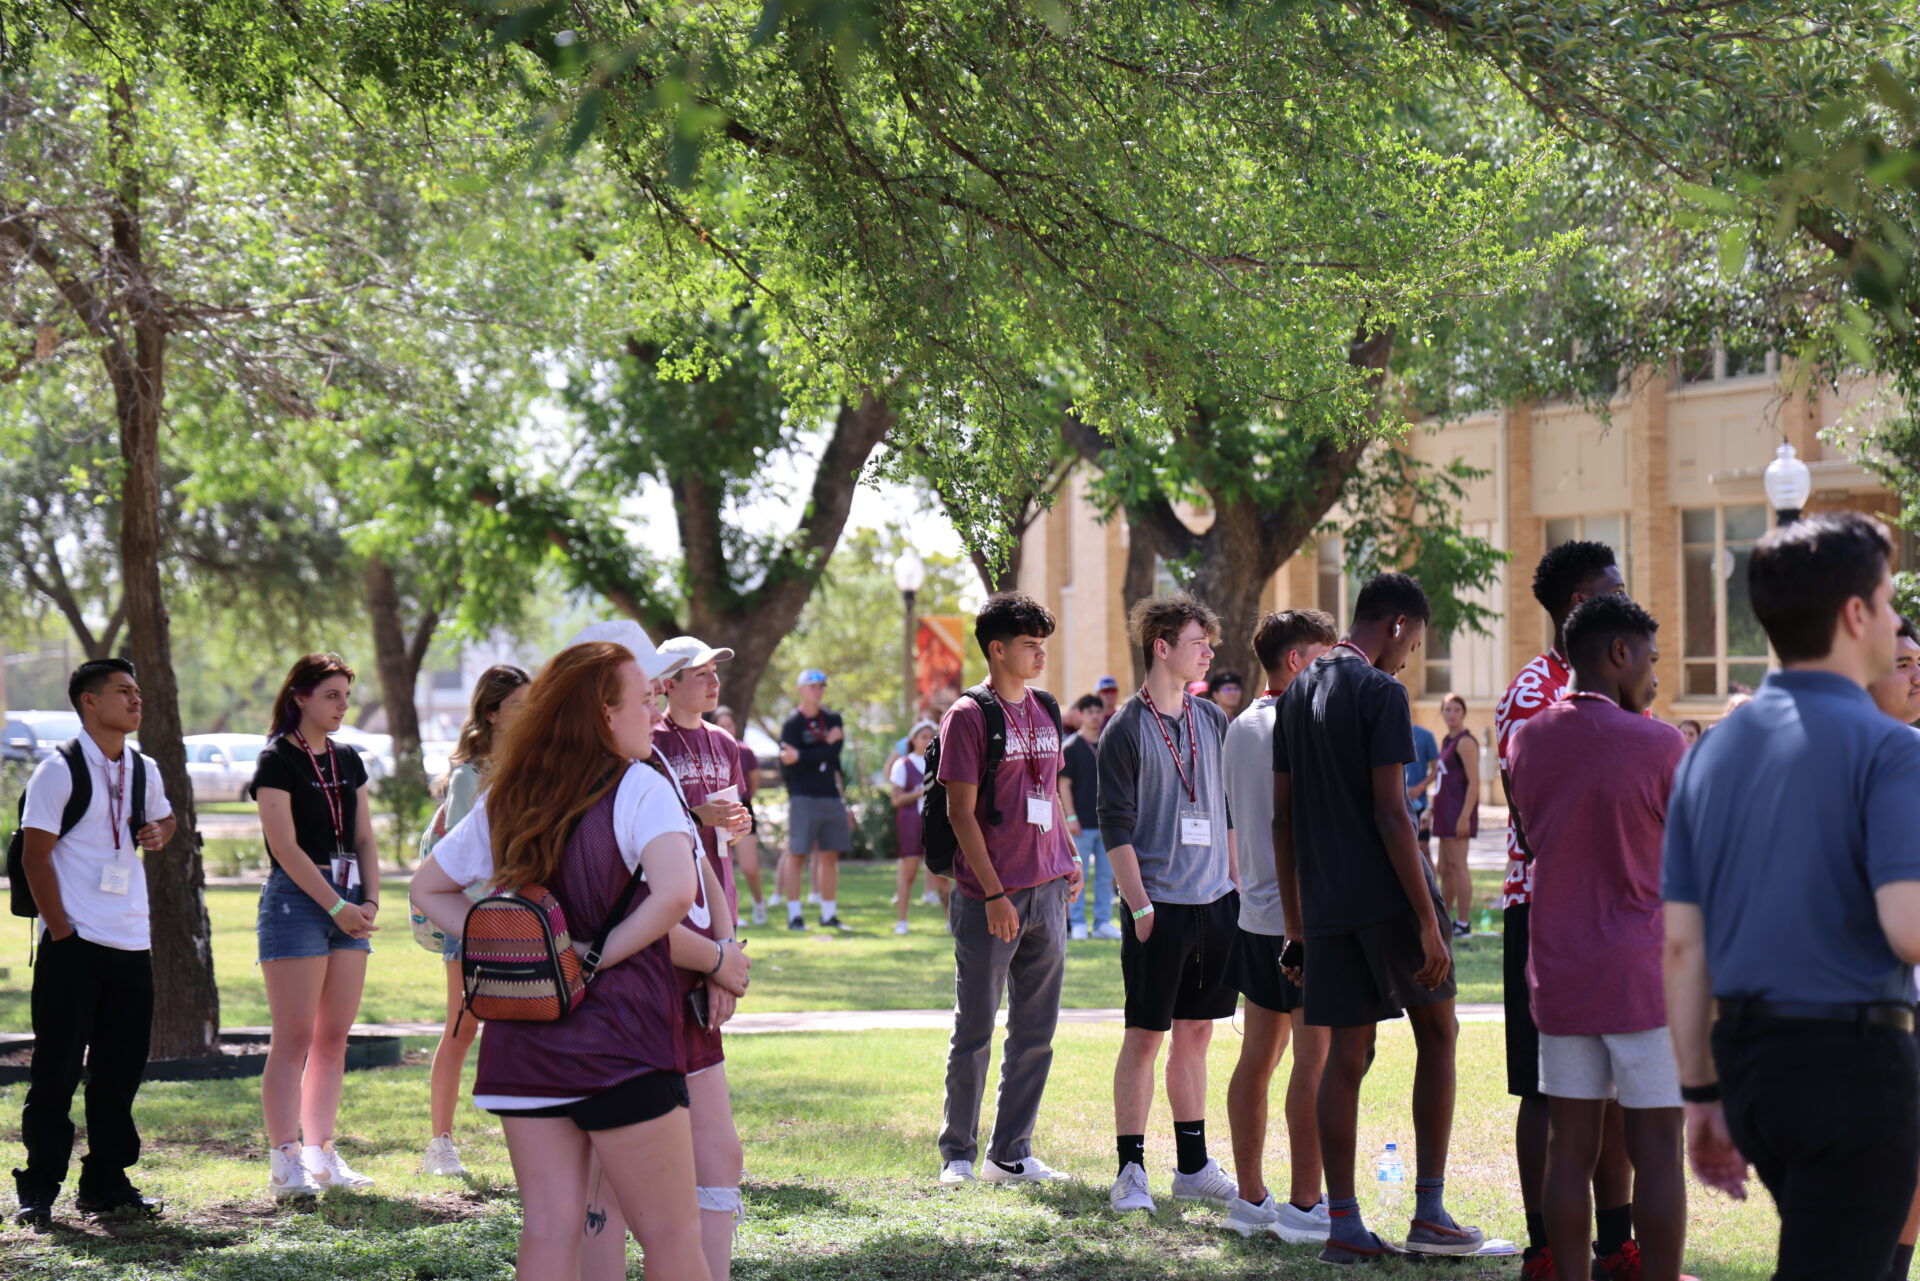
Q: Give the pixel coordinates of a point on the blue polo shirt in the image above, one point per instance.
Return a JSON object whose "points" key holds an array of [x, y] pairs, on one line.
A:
{"points": [[1783, 822], [1425, 753]]}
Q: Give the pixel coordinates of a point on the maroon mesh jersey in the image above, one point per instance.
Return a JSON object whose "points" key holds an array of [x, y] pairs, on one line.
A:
{"points": [[630, 1022]]}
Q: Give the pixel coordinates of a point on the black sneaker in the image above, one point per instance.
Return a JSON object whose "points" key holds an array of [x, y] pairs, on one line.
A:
{"points": [[831, 923], [124, 1200], [795, 923]]}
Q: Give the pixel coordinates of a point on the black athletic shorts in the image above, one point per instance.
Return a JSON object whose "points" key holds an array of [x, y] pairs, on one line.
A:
{"points": [[1523, 1035], [1257, 967], [642, 1098], [1185, 968], [1367, 976]]}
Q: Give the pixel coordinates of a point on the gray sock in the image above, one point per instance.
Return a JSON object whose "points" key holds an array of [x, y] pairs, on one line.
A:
{"points": [[1348, 1227], [1427, 1207]]}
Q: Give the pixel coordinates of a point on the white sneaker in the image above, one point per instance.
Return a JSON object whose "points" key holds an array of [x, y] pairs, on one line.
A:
{"points": [[759, 913], [899, 927], [1129, 1191], [1031, 1170], [1107, 931], [328, 1170], [1246, 1218], [1300, 1227], [954, 1173], [813, 898], [287, 1176], [1209, 1183], [930, 896], [1079, 931], [441, 1158]]}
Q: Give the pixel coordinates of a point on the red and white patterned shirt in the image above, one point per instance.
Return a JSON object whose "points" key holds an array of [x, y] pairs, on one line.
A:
{"points": [[1540, 683]]}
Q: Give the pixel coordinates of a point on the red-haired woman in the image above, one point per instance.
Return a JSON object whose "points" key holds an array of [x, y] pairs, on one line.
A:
{"points": [[578, 804], [316, 915], [497, 696]]}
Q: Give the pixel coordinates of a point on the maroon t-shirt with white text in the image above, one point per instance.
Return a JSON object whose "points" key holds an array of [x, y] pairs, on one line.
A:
{"points": [[705, 760], [1024, 855], [1590, 782]]}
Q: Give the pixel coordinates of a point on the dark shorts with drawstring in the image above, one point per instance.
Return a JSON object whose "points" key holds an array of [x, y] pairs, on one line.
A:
{"points": [[1185, 969]]}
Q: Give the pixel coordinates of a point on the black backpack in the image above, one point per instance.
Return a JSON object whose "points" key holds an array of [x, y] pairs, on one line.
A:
{"points": [[936, 832], [77, 801]]}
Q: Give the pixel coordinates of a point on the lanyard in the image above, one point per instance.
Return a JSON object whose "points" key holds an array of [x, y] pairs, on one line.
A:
{"points": [[1586, 695], [695, 749], [1031, 735], [1275, 693], [1356, 649], [117, 799], [1193, 750], [330, 794]]}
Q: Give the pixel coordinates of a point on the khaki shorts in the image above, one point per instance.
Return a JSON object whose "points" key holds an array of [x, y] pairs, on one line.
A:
{"points": [[1638, 1068]]}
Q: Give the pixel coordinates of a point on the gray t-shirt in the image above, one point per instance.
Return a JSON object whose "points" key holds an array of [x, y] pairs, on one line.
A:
{"points": [[1142, 798], [1249, 770]]}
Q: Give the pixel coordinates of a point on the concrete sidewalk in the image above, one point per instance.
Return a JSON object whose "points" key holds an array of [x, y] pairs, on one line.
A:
{"points": [[860, 1021]]}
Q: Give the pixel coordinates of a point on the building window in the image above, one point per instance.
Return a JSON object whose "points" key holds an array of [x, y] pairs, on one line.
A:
{"points": [[1724, 649], [1609, 528], [1438, 647]]}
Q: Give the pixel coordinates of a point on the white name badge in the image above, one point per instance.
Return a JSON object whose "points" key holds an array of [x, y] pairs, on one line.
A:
{"points": [[1040, 812], [346, 871], [116, 878], [1196, 829]]}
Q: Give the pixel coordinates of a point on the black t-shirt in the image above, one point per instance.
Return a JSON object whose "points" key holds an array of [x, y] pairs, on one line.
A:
{"points": [[817, 772], [1080, 766], [284, 765], [1339, 720]]}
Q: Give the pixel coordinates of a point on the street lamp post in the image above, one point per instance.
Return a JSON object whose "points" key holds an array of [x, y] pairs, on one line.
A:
{"points": [[909, 575], [1788, 484]]}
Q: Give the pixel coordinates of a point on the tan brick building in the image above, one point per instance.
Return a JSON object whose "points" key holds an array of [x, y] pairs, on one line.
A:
{"points": [[1672, 482]]}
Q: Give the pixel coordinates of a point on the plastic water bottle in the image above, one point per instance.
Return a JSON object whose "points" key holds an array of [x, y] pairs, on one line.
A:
{"points": [[1390, 1180], [1486, 921]]}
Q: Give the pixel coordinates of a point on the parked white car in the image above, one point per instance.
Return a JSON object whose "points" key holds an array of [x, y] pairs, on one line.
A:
{"points": [[221, 765], [433, 759], [32, 736]]}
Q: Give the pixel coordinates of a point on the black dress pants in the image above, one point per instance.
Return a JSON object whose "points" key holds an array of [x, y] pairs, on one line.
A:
{"points": [[92, 1005], [1829, 1116]]}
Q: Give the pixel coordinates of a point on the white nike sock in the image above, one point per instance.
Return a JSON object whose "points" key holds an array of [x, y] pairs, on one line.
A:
{"points": [[829, 909], [793, 909]]}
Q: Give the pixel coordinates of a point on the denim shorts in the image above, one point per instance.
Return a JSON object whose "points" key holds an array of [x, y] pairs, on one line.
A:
{"points": [[291, 925]]}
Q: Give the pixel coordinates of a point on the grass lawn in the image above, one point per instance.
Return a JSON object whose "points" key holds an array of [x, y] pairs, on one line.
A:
{"points": [[839, 1131], [867, 968]]}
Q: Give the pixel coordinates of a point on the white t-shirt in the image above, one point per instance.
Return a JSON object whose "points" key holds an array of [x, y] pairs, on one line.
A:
{"points": [[899, 776], [645, 805], [85, 859]]}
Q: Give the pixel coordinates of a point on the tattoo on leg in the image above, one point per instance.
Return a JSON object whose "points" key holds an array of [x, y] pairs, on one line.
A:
{"points": [[596, 1212]]}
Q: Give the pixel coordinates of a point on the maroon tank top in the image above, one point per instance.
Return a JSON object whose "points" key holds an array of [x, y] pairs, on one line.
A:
{"points": [[628, 1024], [907, 823]]}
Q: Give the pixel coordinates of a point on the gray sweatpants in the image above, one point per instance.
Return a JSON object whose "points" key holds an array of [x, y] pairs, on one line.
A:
{"points": [[1029, 970]]}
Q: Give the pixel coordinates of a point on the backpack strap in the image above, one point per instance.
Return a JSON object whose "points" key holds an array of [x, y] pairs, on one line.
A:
{"points": [[1052, 705], [590, 963], [996, 746], [80, 791], [137, 812]]}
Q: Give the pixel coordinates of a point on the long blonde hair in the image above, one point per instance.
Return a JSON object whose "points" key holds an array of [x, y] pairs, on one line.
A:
{"points": [[494, 687], [555, 760]]}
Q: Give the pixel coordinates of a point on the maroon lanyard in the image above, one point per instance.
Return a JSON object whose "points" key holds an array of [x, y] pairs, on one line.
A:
{"points": [[695, 750], [1032, 735], [1193, 750], [117, 800], [1587, 695], [330, 794], [1356, 649]]}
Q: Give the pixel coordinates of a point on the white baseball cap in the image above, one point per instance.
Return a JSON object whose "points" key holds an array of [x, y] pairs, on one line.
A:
{"points": [[627, 633], [697, 652]]}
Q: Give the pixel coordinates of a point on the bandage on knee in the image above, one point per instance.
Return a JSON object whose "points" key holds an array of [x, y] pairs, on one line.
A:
{"points": [[722, 1201]]}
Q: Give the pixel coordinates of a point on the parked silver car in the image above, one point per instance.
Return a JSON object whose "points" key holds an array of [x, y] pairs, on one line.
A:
{"points": [[221, 765], [32, 736]]}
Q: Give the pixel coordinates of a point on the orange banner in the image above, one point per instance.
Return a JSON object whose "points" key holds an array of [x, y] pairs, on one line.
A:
{"points": [[938, 652]]}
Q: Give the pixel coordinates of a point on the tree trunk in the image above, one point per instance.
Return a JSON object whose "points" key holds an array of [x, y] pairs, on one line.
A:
{"points": [[186, 1006], [1231, 574], [391, 658], [1136, 585]]}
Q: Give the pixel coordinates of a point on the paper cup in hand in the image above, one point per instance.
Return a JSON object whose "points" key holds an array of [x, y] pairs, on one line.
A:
{"points": [[732, 796]]}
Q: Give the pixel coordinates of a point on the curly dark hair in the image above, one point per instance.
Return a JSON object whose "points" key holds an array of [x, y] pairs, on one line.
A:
{"points": [[1010, 614], [1567, 569], [1598, 621]]}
